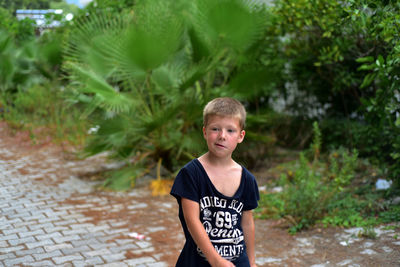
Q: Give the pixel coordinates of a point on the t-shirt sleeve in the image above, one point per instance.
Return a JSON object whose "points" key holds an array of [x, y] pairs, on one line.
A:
{"points": [[185, 185], [251, 195]]}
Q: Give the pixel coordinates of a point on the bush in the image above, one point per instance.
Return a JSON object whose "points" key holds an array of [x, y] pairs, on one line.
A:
{"points": [[311, 188], [346, 54], [42, 110], [336, 189], [148, 100]]}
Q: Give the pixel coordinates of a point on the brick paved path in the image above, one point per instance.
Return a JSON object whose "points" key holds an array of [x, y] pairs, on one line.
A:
{"points": [[49, 217]]}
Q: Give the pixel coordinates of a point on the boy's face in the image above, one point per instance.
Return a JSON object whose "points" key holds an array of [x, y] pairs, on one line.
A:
{"points": [[222, 135]]}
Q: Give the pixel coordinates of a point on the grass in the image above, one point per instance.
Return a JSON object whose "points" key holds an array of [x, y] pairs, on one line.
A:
{"points": [[44, 113], [332, 189]]}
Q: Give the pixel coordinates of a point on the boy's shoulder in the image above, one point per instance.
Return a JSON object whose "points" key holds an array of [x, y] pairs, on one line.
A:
{"points": [[191, 165], [192, 168]]}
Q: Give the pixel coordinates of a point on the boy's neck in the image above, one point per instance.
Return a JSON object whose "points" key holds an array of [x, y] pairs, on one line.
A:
{"points": [[212, 160]]}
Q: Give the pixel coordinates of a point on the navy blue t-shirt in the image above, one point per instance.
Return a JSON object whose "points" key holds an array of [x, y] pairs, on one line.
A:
{"points": [[220, 215]]}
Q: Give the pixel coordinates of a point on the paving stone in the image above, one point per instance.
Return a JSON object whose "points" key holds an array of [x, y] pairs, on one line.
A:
{"points": [[15, 230], [31, 233], [44, 226], [101, 246], [57, 247], [75, 231], [142, 260], [39, 243], [29, 251], [115, 264], [34, 204], [97, 252], [157, 264], [64, 259], [16, 261], [36, 217], [143, 244], [125, 247], [8, 237], [49, 236], [39, 228], [98, 228], [81, 225], [55, 229], [11, 249], [74, 250], [64, 239], [7, 256], [52, 219], [15, 242], [41, 256], [19, 215], [89, 262], [114, 257], [40, 263]]}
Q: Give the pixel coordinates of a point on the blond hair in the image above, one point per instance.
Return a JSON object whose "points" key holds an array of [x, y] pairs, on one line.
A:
{"points": [[225, 106]]}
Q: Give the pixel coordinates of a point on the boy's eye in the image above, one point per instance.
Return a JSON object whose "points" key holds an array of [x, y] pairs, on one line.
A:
{"points": [[231, 131], [214, 129]]}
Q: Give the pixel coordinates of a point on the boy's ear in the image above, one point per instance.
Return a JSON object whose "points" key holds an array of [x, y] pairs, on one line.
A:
{"points": [[241, 136], [204, 132]]}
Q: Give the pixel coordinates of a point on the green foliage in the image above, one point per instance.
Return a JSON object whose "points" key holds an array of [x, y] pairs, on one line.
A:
{"points": [[346, 54], [311, 190], [342, 167], [19, 30], [17, 64], [110, 6], [306, 196], [145, 76], [30, 90], [350, 209], [26, 63], [43, 108], [330, 193], [390, 215], [317, 141], [13, 5]]}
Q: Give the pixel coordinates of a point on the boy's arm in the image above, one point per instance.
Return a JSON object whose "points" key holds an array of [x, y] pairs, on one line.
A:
{"points": [[191, 212], [249, 235]]}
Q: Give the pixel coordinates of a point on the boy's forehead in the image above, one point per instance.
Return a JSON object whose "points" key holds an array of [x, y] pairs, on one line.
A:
{"points": [[224, 118]]}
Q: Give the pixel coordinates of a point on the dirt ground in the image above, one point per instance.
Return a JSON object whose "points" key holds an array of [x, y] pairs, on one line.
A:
{"points": [[274, 246]]}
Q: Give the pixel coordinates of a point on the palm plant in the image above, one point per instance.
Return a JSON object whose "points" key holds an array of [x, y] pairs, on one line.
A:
{"points": [[17, 64], [145, 75]]}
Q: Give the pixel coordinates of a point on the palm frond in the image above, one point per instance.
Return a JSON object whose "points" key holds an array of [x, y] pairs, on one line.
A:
{"points": [[105, 95], [156, 34], [232, 23], [249, 82], [96, 42], [124, 178], [168, 77]]}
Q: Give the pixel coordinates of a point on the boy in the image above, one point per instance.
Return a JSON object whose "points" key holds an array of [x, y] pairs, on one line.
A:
{"points": [[216, 195]]}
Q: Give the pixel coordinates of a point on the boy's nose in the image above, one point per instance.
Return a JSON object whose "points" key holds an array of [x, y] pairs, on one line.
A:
{"points": [[222, 134]]}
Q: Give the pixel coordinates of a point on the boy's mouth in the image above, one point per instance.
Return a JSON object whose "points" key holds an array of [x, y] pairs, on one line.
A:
{"points": [[219, 145]]}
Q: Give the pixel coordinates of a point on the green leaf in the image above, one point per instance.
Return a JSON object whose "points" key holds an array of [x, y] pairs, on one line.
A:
{"points": [[368, 79], [235, 24], [156, 35], [365, 59], [199, 47], [124, 178], [105, 94], [367, 67], [397, 122]]}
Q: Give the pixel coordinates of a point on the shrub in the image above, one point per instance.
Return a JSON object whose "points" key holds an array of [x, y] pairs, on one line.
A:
{"points": [[145, 76], [310, 190]]}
